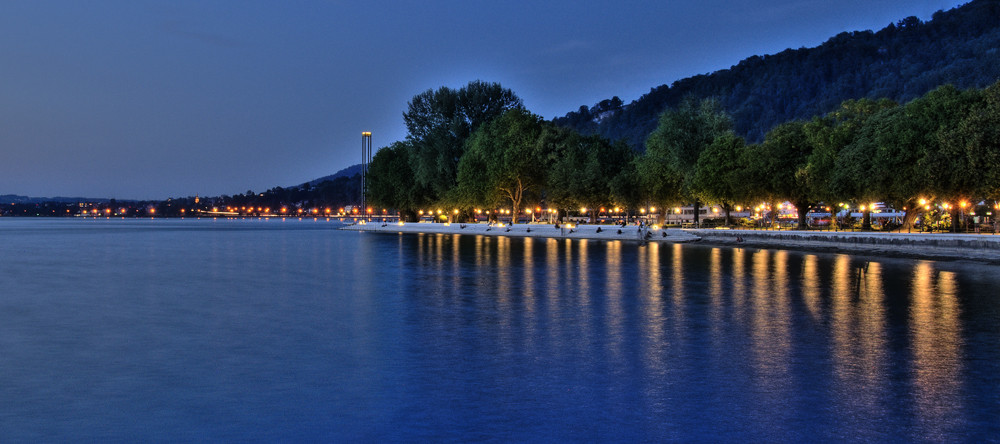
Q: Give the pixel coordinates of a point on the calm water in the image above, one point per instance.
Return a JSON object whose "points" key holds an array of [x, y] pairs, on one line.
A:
{"points": [[202, 330]]}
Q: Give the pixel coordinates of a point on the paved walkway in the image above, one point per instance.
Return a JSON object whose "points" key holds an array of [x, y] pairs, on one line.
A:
{"points": [[935, 246], [600, 232], [938, 246]]}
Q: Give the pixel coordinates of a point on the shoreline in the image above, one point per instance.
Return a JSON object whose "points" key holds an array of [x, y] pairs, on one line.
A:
{"points": [[982, 248], [607, 232]]}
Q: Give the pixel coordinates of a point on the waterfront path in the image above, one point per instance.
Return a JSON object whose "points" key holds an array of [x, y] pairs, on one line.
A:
{"points": [[583, 231], [937, 246]]}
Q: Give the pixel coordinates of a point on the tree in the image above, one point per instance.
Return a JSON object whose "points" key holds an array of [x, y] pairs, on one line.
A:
{"points": [[975, 143], [439, 122], [626, 190], [391, 183], [718, 175], [581, 174], [667, 169], [862, 171], [785, 155], [505, 161], [898, 156], [829, 136]]}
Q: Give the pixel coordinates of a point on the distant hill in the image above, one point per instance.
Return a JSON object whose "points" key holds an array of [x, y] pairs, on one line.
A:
{"points": [[346, 172], [15, 199], [902, 61]]}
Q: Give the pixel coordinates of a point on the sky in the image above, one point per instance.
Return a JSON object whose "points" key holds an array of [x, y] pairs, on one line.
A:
{"points": [[143, 99]]}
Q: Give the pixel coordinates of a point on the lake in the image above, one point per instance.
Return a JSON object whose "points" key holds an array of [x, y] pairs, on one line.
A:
{"points": [[271, 330]]}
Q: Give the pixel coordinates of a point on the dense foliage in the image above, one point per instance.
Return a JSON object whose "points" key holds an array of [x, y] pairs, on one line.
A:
{"points": [[942, 146], [900, 62]]}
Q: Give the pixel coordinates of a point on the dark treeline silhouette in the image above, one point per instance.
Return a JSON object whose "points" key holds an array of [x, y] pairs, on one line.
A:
{"points": [[902, 61], [326, 197]]}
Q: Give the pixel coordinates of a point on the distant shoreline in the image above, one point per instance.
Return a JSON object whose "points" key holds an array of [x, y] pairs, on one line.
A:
{"points": [[984, 248]]}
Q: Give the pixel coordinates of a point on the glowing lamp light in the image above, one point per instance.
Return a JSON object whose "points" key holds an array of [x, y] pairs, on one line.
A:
{"points": [[652, 209], [923, 201]]}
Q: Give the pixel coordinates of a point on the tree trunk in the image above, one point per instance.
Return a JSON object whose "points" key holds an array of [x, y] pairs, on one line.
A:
{"points": [[697, 213], [910, 216], [802, 208], [866, 219], [726, 209], [408, 216], [774, 215]]}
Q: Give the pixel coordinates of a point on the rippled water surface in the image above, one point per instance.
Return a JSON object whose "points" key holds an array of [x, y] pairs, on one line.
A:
{"points": [[193, 330]]}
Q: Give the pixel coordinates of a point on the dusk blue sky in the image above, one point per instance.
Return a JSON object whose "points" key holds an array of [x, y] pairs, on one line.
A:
{"points": [[149, 100]]}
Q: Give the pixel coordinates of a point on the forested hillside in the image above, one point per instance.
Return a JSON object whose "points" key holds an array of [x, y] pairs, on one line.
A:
{"points": [[900, 62]]}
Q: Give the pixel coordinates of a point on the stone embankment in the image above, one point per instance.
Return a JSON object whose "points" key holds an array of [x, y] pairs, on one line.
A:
{"points": [[583, 231], [936, 246]]}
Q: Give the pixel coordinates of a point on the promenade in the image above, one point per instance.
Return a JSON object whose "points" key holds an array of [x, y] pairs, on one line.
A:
{"points": [[582, 231], [935, 246]]}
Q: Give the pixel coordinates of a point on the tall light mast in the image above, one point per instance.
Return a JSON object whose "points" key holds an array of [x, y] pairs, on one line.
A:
{"points": [[366, 159]]}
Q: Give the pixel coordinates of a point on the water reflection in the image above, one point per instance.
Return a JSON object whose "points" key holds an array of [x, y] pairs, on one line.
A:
{"points": [[773, 338], [811, 285], [323, 335], [859, 343], [934, 324]]}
